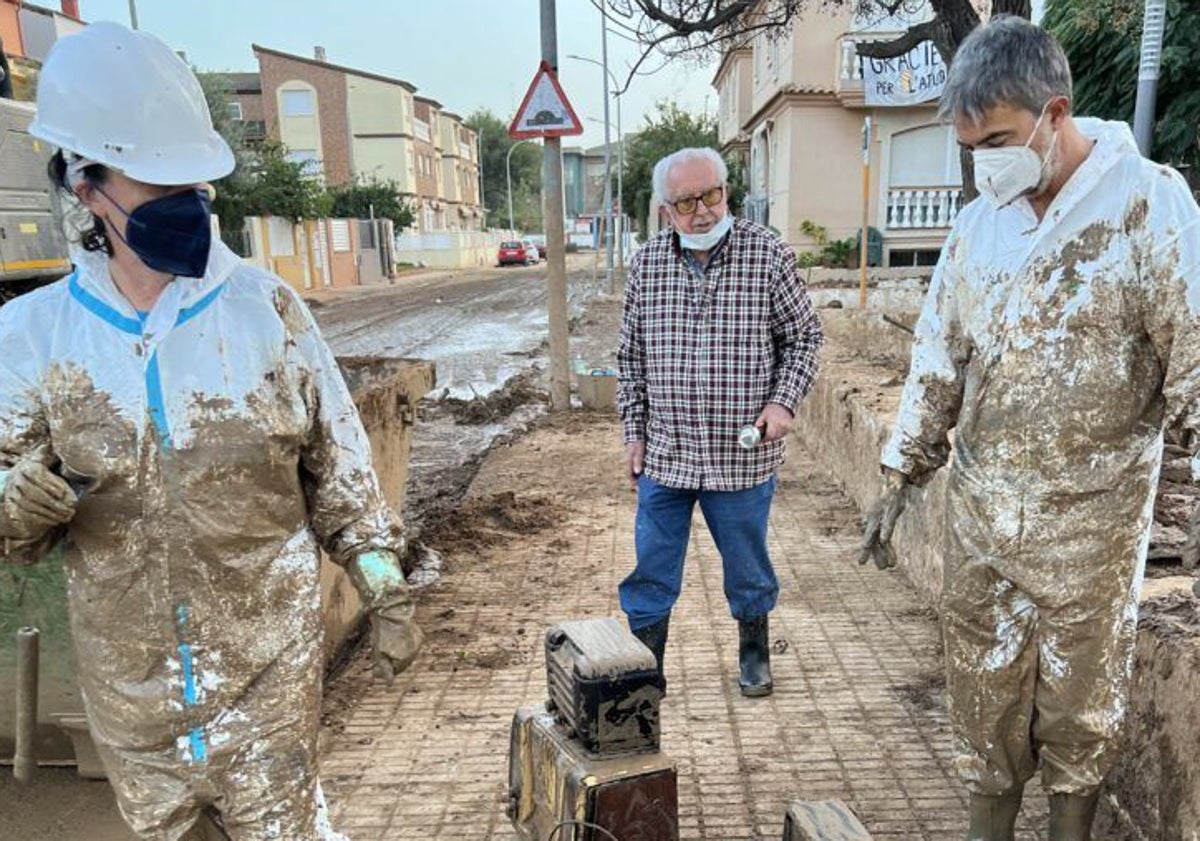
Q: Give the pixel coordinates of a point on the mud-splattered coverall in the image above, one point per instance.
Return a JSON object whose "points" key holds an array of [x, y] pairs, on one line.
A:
{"points": [[1058, 350], [215, 447]]}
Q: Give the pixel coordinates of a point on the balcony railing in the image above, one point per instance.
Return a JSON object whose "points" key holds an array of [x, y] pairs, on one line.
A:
{"points": [[935, 207], [850, 65], [421, 130]]}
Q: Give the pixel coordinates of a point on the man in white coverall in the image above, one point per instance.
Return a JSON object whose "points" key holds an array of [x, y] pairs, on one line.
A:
{"points": [[171, 417], [1060, 335]]}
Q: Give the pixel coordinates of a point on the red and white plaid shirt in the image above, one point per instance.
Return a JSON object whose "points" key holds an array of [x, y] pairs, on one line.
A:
{"points": [[703, 352]]}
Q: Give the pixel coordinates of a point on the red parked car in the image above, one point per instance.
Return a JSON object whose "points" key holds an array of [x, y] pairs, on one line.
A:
{"points": [[513, 251]]}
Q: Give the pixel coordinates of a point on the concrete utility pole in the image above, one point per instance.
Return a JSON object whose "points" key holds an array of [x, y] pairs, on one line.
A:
{"points": [[556, 254], [608, 208], [1154, 22]]}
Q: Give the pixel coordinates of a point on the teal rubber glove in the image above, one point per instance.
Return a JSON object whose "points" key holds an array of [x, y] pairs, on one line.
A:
{"points": [[396, 639]]}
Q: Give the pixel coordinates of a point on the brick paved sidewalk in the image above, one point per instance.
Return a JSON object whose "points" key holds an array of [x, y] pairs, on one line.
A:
{"points": [[857, 714]]}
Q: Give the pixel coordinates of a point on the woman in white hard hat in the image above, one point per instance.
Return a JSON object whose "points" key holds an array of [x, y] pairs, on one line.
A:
{"points": [[171, 416]]}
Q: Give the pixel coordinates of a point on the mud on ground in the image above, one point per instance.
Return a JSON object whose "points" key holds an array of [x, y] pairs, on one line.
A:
{"points": [[478, 523], [509, 506], [452, 440], [497, 406]]}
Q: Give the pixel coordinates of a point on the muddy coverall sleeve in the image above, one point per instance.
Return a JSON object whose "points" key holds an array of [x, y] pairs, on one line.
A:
{"points": [[632, 403], [1170, 272], [932, 397], [346, 507], [796, 333], [23, 425]]}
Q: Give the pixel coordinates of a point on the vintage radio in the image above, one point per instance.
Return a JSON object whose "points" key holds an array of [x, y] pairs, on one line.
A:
{"points": [[825, 820], [604, 686], [557, 790]]}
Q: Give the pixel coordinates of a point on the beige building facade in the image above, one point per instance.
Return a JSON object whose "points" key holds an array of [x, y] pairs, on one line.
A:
{"points": [[349, 124], [792, 108]]}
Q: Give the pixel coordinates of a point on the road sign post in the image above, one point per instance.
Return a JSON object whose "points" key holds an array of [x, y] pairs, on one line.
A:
{"points": [[545, 112]]}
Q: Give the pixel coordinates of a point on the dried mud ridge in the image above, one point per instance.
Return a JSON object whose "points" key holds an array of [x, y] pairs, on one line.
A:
{"points": [[519, 391], [480, 523], [429, 496]]}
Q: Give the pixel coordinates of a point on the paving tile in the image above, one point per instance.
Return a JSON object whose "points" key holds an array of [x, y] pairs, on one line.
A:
{"points": [[843, 721]]}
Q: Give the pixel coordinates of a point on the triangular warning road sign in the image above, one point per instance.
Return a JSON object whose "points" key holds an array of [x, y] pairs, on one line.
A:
{"points": [[545, 111]]}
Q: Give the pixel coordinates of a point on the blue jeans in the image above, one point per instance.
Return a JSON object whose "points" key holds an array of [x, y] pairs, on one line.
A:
{"points": [[737, 521]]}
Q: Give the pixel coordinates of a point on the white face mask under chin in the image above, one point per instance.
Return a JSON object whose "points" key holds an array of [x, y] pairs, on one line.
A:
{"points": [[1010, 172], [708, 240]]}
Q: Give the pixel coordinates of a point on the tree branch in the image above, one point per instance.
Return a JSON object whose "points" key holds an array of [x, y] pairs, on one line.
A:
{"points": [[682, 26], [903, 45], [633, 71], [732, 38]]}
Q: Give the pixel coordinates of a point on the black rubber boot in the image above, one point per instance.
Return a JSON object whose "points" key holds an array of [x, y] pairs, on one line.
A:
{"points": [[1071, 816], [754, 657], [654, 637], [993, 818]]}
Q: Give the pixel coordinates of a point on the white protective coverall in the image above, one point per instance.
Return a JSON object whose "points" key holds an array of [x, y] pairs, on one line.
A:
{"points": [[1058, 351], [215, 446]]}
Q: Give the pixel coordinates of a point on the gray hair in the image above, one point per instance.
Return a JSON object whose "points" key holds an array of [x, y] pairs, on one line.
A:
{"points": [[1005, 61], [702, 153]]}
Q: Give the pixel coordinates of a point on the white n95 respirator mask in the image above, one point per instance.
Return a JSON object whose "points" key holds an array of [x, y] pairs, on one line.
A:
{"points": [[1010, 172]]}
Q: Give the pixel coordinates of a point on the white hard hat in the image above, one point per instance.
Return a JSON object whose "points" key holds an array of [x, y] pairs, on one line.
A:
{"points": [[123, 99]]}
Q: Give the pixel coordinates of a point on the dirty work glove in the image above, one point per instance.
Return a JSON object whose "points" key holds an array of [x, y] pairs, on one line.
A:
{"points": [[881, 520], [33, 499], [395, 636]]}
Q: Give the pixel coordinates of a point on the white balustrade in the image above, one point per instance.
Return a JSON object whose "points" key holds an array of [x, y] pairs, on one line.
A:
{"points": [[851, 67], [923, 208]]}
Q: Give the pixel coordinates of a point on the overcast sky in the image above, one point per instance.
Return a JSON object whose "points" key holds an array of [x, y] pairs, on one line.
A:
{"points": [[463, 53]]}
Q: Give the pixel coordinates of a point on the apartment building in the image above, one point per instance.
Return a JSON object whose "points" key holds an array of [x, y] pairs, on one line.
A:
{"points": [[348, 123], [792, 106]]}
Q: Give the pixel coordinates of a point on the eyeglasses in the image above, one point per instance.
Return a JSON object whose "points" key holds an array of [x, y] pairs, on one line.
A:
{"points": [[688, 205]]}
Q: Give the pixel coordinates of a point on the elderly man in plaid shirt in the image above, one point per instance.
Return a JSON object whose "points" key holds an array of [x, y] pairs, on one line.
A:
{"points": [[717, 334]]}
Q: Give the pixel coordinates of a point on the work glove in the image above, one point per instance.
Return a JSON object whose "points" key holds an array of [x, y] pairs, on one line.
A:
{"points": [[881, 520], [33, 499], [395, 637]]}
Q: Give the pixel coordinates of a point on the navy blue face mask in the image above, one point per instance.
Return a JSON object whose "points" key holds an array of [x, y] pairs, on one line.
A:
{"points": [[172, 234]]}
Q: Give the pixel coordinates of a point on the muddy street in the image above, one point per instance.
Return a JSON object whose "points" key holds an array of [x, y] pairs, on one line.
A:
{"points": [[485, 331], [479, 326]]}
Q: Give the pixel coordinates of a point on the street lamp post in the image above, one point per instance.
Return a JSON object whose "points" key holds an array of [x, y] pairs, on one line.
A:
{"points": [[620, 191], [508, 180], [1154, 22], [620, 157], [608, 214]]}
